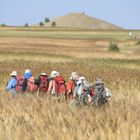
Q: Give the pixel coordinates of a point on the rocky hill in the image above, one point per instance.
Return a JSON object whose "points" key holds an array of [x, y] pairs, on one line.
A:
{"points": [[80, 20]]}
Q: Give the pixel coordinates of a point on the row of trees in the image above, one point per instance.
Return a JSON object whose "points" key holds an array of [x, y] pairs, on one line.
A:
{"points": [[46, 20]]}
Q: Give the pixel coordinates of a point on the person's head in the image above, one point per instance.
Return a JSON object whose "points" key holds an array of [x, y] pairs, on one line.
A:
{"points": [[74, 76], [54, 74], [99, 83], [13, 74], [27, 74], [81, 80]]}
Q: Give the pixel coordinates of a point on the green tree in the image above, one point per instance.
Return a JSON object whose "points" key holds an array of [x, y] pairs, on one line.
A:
{"points": [[47, 19], [41, 23], [26, 25], [3, 24], [113, 47], [53, 24]]}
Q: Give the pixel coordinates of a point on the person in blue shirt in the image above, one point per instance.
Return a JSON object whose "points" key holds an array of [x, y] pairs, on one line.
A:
{"points": [[12, 83]]}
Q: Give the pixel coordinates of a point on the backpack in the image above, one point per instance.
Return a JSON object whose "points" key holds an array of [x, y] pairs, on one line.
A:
{"points": [[44, 84], [60, 86], [31, 85], [19, 83]]}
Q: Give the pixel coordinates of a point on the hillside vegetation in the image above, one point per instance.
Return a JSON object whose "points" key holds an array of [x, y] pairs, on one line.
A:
{"points": [[80, 20]]}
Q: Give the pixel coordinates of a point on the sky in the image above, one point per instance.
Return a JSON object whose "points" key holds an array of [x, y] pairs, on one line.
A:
{"points": [[124, 13]]}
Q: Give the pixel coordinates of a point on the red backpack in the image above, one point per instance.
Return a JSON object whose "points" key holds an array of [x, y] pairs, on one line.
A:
{"points": [[44, 84], [19, 83], [60, 86], [31, 85]]}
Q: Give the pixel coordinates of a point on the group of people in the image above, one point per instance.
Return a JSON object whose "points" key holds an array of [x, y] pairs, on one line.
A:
{"points": [[77, 88]]}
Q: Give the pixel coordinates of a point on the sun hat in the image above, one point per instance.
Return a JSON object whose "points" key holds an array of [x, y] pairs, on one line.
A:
{"points": [[81, 79], [98, 81], [43, 74], [54, 74], [14, 73], [27, 71], [74, 75]]}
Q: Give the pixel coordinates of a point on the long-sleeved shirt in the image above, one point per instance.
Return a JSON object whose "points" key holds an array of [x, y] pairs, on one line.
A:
{"points": [[11, 84]]}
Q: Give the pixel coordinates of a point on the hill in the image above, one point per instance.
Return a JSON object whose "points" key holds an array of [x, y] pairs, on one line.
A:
{"points": [[80, 20]]}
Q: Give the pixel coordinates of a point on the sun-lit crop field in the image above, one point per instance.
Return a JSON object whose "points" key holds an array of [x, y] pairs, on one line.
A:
{"points": [[67, 50]]}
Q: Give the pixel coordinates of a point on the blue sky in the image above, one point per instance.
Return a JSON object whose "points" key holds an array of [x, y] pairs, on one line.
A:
{"points": [[124, 13]]}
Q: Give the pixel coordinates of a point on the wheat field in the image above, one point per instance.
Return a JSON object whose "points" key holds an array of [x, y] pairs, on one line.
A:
{"points": [[31, 117]]}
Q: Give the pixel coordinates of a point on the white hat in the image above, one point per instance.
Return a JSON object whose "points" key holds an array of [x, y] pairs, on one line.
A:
{"points": [[74, 75], [14, 73], [27, 71], [81, 79], [54, 74], [43, 74], [98, 81]]}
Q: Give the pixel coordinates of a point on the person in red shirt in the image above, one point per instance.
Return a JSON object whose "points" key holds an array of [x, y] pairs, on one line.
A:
{"points": [[71, 84]]}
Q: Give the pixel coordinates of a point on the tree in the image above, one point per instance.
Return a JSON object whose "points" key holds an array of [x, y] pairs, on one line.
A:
{"points": [[47, 19], [26, 25], [3, 24], [41, 23], [53, 24], [113, 47]]}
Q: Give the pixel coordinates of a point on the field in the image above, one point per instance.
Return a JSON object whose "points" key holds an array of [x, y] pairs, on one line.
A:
{"points": [[67, 50]]}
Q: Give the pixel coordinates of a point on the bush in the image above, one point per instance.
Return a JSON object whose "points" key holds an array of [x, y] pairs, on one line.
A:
{"points": [[53, 24], [3, 25], [113, 47], [47, 19], [41, 23], [138, 43], [26, 25]]}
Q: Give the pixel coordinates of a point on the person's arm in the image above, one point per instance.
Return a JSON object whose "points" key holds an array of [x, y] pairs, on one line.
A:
{"points": [[9, 85], [24, 85], [50, 86]]}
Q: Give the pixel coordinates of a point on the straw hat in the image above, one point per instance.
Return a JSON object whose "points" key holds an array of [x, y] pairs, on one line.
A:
{"points": [[74, 75], [99, 81], [14, 73], [43, 74], [54, 74]]}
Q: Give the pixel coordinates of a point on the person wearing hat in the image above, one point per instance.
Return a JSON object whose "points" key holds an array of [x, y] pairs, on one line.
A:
{"points": [[72, 84], [51, 88], [12, 83], [102, 94], [26, 76]]}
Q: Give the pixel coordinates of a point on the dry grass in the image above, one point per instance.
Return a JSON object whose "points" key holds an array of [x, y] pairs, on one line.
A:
{"points": [[36, 118]]}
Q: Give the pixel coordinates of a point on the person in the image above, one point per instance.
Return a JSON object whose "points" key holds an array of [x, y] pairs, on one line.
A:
{"points": [[12, 83], [26, 76], [43, 83], [51, 88], [102, 94], [72, 85], [83, 91]]}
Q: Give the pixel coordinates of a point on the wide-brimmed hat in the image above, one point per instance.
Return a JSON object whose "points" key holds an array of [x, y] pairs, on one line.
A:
{"points": [[27, 71], [98, 81], [81, 79], [54, 74], [43, 74], [74, 75], [14, 73]]}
